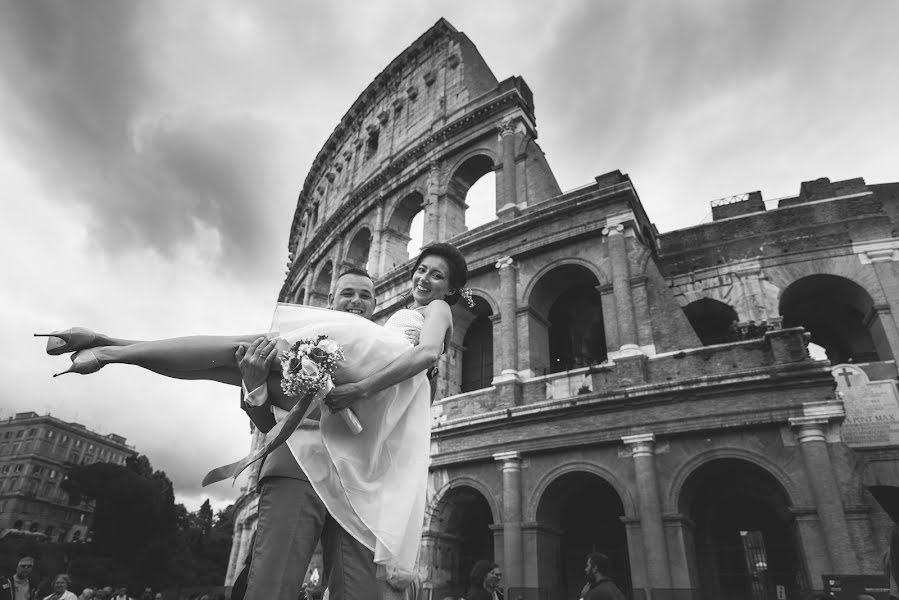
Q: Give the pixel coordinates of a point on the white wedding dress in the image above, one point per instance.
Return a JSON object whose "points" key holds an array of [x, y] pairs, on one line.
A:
{"points": [[372, 483]]}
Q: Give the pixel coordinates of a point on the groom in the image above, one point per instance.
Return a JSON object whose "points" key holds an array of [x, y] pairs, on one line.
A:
{"points": [[292, 518]]}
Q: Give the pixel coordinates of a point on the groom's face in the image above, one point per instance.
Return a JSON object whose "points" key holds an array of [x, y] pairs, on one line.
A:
{"points": [[354, 294]]}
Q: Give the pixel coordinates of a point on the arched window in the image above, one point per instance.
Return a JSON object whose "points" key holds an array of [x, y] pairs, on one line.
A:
{"points": [[566, 327], [322, 287], [576, 332], [712, 320], [477, 353], [402, 237], [839, 314], [357, 254], [471, 195]]}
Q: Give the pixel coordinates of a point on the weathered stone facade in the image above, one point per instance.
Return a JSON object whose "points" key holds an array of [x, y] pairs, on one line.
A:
{"points": [[646, 395]]}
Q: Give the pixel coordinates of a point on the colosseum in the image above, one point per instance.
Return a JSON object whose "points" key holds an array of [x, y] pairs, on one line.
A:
{"points": [[648, 395]]}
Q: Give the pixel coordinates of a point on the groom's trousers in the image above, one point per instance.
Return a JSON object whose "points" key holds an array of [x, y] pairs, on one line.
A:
{"points": [[292, 520]]}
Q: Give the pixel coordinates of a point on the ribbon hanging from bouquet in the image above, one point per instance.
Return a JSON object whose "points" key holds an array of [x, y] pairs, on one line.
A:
{"points": [[307, 369]]}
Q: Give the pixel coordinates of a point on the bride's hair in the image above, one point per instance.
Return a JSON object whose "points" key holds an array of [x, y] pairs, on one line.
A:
{"points": [[458, 274]]}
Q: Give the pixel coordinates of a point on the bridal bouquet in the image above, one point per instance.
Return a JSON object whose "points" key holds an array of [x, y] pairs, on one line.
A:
{"points": [[307, 368], [308, 365]]}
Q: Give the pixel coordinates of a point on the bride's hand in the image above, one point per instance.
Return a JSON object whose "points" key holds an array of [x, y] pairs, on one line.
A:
{"points": [[343, 396]]}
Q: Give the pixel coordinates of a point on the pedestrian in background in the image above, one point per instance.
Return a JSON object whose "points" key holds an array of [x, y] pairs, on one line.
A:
{"points": [[599, 585], [61, 591], [485, 579], [21, 584]]}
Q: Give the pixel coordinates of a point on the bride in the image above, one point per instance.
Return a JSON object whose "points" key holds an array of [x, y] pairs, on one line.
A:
{"points": [[373, 483]]}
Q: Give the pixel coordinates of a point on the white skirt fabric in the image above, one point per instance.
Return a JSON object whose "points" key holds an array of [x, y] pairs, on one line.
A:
{"points": [[373, 483]]}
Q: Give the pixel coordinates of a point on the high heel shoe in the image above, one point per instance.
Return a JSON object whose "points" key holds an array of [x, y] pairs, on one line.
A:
{"points": [[70, 340], [84, 362]]}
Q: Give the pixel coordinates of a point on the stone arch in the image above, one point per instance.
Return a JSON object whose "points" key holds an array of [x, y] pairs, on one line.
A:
{"points": [[601, 276], [744, 542], [486, 296], [397, 226], [530, 507], [459, 179], [579, 511], [845, 267], [452, 363], [566, 325], [459, 159], [458, 531], [674, 490], [840, 315], [455, 482], [711, 320], [474, 333], [359, 249]]}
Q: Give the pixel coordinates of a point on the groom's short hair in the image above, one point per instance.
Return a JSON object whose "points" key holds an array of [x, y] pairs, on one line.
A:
{"points": [[355, 271]]}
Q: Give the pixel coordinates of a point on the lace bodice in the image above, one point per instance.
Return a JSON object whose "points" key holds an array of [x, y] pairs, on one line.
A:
{"points": [[405, 318]]}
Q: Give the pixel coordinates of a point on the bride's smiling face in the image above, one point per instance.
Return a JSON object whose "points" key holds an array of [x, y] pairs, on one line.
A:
{"points": [[431, 280]]}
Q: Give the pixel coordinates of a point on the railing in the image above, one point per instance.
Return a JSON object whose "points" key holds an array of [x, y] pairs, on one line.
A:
{"points": [[764, 347]]}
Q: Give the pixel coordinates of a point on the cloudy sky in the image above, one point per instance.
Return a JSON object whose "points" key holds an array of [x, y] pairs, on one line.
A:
{"points": [[151, 154]]}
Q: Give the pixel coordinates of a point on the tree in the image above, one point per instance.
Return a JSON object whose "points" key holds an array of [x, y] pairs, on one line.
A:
{"points": [[204, 516], [141, 535]]}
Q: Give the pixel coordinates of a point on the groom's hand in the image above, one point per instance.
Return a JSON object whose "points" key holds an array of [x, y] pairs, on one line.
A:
{"points": [[255, 361]]}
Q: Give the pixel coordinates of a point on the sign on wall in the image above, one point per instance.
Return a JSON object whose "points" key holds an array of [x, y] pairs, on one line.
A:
{"points": [[872, 408]]}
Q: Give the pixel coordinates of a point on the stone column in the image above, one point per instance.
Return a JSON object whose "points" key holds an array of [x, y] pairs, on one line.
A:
{"points": [[882, 257], [819, 469], [432, 206], [636, 556], [507, 204], [507, 308], [655, 545], [512, 547], [338, 266], [508, 382], [374, 257], [621, 289]]}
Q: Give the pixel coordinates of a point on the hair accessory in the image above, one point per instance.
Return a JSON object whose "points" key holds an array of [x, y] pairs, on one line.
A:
{"points": [[466, 293]]}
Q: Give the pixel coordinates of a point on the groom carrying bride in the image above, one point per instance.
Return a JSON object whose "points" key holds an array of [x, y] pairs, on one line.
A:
{"points": [[292, 518], [355, 472]]}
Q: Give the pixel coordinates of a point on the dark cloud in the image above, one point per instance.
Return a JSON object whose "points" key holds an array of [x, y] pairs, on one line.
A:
{"points": [[88, 118], [636, 71]]}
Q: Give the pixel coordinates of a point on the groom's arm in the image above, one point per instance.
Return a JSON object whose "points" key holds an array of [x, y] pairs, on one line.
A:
{"points": [[254, 362]]}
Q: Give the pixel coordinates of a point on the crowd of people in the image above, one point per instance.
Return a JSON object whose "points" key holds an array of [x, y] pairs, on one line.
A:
{"points": [[22, 585]]}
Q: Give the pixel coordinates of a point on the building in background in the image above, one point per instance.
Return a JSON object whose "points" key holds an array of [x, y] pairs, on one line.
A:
{"points": [[35, 453], [614, 389]]}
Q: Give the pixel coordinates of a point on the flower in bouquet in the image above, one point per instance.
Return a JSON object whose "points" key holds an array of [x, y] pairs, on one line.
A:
{"points": [[309, 364]]}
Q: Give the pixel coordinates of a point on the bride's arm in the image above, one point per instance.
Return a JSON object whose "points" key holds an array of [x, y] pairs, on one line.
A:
{"points": [[438, 321]]}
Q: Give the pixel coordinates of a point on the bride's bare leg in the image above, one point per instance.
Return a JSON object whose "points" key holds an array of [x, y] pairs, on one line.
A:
{"points": [[227, 375], [193, 353]]}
